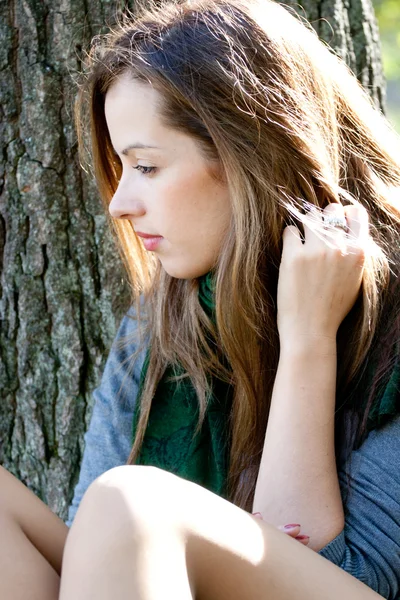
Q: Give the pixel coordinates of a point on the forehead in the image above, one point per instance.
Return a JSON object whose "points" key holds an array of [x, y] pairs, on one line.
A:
{"points": [[132, 112], [132, 107], [131, 91]]}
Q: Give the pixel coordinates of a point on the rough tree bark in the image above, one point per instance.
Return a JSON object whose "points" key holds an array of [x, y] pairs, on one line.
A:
{"points": [[62, 286]]}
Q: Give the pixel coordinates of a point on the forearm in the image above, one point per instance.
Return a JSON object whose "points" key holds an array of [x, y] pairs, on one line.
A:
{"points": [[297, 480]]}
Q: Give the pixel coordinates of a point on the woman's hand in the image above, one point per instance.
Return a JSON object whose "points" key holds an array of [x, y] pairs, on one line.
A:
{"points": [[292, 529], [319, 280], [294, 532]]}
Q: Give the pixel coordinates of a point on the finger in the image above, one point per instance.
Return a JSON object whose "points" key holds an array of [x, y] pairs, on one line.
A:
{"points": [[291, 240], [334, 209], [258, 515], [292, 530], [335, 235], [291, 232], [313, 227], [303, 539], [357, 221]]}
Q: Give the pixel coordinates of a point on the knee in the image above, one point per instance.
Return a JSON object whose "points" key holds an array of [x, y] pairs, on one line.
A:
{"points": [[130, 497]]}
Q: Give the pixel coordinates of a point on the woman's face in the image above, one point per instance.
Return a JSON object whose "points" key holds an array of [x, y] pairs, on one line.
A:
{"points": [[166, 190]]}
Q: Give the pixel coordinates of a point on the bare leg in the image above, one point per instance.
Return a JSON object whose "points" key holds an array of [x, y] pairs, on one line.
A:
{"points": [[111, 553], [142, 533], [31, 543]]}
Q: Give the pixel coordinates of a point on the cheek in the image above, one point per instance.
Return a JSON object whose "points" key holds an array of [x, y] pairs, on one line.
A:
{"points": [[195, 208], [187, 198]]}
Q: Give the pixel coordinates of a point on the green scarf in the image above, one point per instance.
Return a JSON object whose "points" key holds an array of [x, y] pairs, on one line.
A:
{"points": [[169, 441], [387, 402]]}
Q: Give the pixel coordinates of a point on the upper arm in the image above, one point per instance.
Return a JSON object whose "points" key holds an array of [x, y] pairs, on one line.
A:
{"points": [[108, 440], [369, 545]]}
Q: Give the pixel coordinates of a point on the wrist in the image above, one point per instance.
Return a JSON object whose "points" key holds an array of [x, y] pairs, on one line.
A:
{"points": [[312, 344], [298, 328]]}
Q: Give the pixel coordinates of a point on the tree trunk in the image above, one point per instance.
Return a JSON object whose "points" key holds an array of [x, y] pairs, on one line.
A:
{"points": [[62, 288]]}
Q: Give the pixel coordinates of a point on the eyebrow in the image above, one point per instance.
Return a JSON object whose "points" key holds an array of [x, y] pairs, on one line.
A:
{"points": [[135, 146]]}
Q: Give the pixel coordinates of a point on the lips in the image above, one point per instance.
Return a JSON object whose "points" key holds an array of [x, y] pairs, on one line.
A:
{"points": [[147, 235], [150, 241]]}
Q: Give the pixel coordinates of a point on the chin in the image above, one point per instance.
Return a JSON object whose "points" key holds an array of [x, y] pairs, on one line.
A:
{"points": [[185, 271]]}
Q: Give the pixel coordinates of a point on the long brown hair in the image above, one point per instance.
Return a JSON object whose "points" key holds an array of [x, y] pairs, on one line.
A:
{"points": [[289, 123]]}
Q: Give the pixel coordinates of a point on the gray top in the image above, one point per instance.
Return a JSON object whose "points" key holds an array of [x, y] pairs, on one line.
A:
{"points": [[369, 545]]}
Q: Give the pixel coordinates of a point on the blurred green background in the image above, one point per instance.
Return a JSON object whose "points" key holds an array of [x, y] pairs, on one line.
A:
{"points": [[388, 15]]}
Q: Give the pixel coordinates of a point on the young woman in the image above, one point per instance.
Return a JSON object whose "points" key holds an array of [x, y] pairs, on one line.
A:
{"points": [[254, 190]]}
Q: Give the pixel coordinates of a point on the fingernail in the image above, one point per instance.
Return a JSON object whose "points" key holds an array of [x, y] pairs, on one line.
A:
{"points": [[292, 526], [302, 537], [258, 515]]}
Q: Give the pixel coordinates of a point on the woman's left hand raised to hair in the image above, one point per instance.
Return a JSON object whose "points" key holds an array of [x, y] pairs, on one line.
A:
{"points": [[320, 278]]}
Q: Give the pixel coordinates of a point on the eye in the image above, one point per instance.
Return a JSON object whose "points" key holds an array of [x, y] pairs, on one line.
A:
{"points": [[145, 170]]}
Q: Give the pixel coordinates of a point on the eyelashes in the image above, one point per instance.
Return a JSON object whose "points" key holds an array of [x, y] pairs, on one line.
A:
{"points": [[145, 170]]}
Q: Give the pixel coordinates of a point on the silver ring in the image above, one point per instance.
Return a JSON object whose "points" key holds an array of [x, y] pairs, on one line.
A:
{"points": [[336, 222]]}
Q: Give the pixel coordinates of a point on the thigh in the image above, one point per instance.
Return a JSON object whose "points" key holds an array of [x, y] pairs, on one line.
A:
{"points": [[235, 556], [230, 554], [24, 572], [44, 529]]}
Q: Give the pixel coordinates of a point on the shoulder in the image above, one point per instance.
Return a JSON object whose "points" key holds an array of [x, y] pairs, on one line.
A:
{"points": [[132, 332], [127, 354]]}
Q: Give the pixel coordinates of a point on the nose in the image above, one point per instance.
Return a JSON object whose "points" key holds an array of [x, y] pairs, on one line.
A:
{"points": [[124, 205]]}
